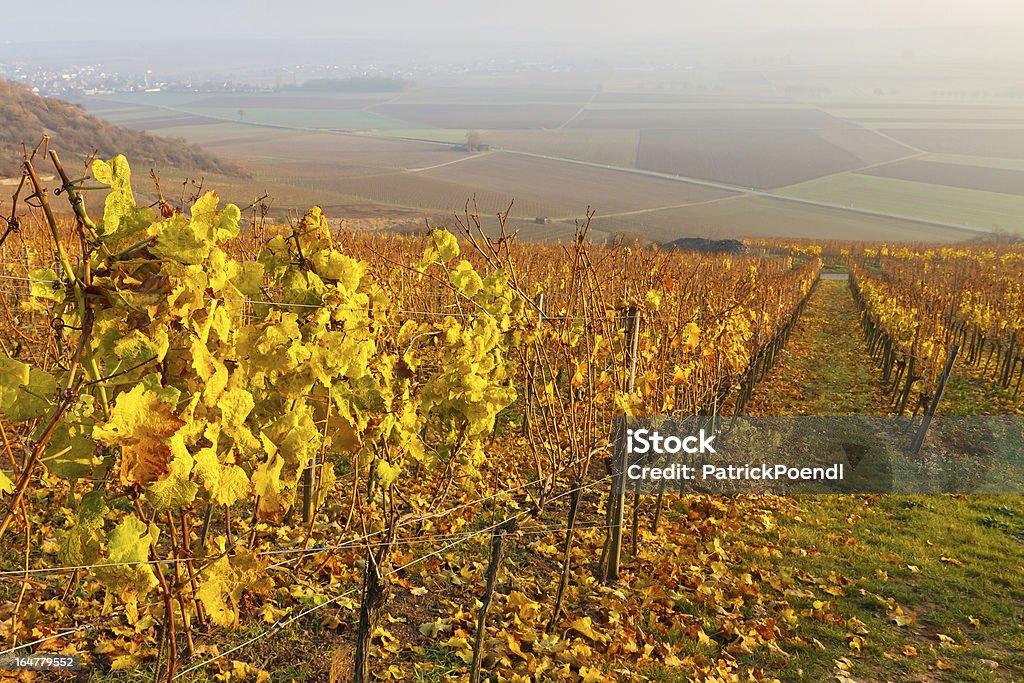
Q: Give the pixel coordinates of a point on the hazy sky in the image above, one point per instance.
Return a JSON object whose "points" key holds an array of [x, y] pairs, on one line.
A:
{"points": [[511, 19]]}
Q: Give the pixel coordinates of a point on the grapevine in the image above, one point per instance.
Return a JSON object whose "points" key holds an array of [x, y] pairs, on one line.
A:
{"points": [[189, 402]]}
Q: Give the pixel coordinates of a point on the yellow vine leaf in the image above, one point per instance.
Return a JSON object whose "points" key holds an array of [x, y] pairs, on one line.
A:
{"points": [[333, 265], [71, 454], [691, 335], [120, 215], [129, 541], [387, 473], [23, 389], [445, 245], [140, 424], [176, 489], [267, 484], [226, 580], [81, 545], [227, 482], [465, 279], [128, 545], [190, 241], [42, 285], [585, 627]]}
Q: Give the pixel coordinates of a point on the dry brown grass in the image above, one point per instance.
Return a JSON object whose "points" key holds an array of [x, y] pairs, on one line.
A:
{"points": [[341, 663]]}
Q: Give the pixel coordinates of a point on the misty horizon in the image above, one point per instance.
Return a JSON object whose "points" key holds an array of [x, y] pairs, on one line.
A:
{"points": [[568, 20], [932, 49]]}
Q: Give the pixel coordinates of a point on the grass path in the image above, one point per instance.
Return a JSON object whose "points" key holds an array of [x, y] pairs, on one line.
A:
{"points": [[927, 588], [825, 368]]}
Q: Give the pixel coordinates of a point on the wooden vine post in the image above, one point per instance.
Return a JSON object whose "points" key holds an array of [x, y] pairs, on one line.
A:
{"points": [[1007, 370], [926, 421], [611, 556], [563, 583], [497, 553], [309, 489], [375, 596], [531, 371]]}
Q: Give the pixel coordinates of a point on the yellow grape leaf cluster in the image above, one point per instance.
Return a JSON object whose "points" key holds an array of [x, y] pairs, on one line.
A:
{"points": [[215, 382]]}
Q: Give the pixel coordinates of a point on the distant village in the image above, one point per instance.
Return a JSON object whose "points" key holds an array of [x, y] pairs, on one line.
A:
{"points": [[89, 80], [75, 80]]}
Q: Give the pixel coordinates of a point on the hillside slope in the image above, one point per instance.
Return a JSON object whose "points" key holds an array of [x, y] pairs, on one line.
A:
{"points": [[24, 117]]}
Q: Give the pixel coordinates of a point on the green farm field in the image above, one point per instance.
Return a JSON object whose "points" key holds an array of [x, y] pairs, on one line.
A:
{"points": [[765, 217], [976, 208], [976, 161], [985, 178]]}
